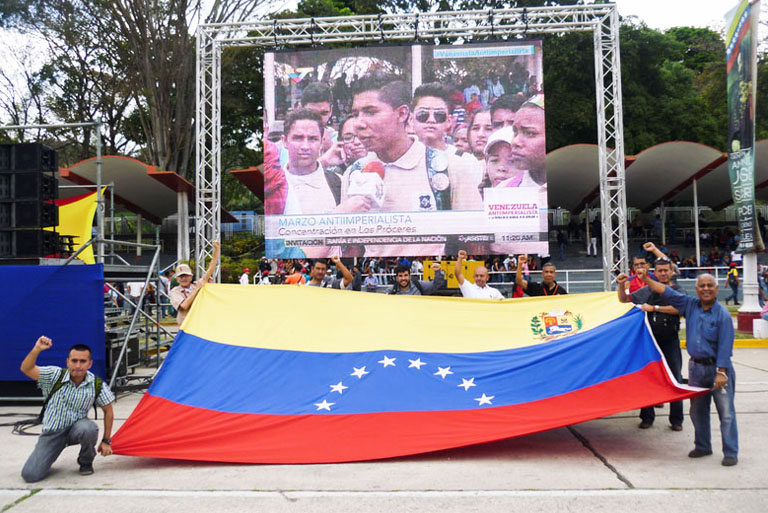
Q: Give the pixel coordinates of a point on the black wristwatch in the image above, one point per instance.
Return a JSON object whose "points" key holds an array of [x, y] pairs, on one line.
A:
{"points": [[107, 441]]}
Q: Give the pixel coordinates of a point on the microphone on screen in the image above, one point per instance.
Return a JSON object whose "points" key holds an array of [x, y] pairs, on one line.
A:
{"points": [[369, 182]]}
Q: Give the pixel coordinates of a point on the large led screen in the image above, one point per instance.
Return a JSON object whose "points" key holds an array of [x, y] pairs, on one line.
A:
{"points": [[409, 150]]}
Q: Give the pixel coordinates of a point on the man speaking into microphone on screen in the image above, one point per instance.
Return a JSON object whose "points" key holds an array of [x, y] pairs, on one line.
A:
{"points": [[414, 178]]}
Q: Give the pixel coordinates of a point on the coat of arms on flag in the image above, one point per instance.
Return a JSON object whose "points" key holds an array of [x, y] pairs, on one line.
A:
{"points": [[555, 323]]}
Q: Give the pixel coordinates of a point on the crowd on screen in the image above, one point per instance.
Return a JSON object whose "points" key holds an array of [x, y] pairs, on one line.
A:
{"points": [[436, 148]]}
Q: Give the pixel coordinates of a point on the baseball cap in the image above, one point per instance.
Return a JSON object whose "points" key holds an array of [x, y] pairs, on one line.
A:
{"points": [[505, 134], [183, 269], [246, 270], [536, 100]]}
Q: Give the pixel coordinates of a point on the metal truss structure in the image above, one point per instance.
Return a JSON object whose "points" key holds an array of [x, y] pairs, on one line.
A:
{"points": [[602, 20]]}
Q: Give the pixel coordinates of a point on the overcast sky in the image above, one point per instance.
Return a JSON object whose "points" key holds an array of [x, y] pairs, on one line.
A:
{"points": [[663, 14]]}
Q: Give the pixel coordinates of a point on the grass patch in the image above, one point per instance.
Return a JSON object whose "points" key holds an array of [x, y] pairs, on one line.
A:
{"points": [[20, 499]]}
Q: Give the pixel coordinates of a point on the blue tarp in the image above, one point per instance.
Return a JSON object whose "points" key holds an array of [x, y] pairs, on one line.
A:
{"points": [[65, 303]]}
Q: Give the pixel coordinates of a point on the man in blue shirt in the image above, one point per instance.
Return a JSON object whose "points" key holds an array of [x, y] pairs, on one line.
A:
{"points": [[709, 338]]}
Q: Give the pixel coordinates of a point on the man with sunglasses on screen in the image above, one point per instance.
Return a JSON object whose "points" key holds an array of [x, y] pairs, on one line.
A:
{"points": [[432, 122]]}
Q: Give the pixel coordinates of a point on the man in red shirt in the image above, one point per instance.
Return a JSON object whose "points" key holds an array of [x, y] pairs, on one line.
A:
{"points": [[635, 283]]}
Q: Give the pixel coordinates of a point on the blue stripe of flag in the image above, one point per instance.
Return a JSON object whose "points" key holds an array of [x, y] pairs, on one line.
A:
{"points": [[236, 379]]}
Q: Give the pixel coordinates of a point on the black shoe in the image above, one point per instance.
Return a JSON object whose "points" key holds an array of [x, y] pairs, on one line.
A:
{"points": [[658, 406], [698, 453], [730, 461], [645, 424], [86, 469], [676, 427]]}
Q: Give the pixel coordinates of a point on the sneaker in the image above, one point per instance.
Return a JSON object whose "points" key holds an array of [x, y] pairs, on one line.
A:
{"points": [[645, 424], [730, 461], [676, 427], [86, 469], [698, 453]]}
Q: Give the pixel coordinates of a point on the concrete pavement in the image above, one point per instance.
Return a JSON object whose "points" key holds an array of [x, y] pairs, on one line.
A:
{"points": [[601, 465]]}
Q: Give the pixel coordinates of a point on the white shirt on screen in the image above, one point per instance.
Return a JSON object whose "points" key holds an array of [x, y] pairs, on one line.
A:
{"points": [[312, 194]]}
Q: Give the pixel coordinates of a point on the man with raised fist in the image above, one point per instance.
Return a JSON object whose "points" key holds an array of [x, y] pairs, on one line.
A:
{"points": [[480, 288], [69, 393]]}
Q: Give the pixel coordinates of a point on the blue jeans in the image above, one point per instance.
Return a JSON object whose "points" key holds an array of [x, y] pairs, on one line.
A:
{"points": [[704, 376], [734, 294]]}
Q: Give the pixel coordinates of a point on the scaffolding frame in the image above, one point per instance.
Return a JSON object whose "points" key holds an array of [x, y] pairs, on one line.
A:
{"points": [[602, 20]]}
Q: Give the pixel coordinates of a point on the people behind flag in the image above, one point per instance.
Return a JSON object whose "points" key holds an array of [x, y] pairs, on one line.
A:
{"points": [[709, 341], [409, 286], [480, 288], [548, 285], [665, 325], [183, 295], [319, 276]]}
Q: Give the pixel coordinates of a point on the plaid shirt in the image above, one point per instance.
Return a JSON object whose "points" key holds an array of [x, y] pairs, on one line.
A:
{"points": [[70, 403]]}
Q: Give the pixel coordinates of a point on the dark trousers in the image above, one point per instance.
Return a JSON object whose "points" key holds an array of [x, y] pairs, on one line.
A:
{"points": [[674, 358]]}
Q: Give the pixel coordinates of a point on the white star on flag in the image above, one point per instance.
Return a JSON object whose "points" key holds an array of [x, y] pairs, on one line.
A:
{"points": [[325, 405], [338, 387], [485, 399], [359, 372], [466, 383], [443, 372], [387, 361], [416, 363]]}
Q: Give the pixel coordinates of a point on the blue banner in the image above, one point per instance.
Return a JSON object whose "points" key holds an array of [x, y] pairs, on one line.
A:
{"points": [[65, 303]]}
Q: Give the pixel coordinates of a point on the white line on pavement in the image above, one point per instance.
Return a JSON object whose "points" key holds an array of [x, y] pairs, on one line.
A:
{"points": [[305, 494]]}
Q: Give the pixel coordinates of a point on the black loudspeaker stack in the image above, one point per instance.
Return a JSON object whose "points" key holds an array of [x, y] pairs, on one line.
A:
{"points": [[28, 188]]}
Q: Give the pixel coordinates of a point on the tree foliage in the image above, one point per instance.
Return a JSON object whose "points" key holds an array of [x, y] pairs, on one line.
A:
{"points": [[131, 63]]}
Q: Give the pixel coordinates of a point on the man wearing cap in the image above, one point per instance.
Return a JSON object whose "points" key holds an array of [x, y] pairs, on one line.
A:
{"points": [[183, 295], [244, 280], [479, 289], [265, 279]]}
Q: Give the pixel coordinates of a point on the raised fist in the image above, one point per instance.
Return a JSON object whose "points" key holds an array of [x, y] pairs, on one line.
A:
{"points": [[462, 255], [335, 259], [43, 343], [649, 246], [522, 259], [436, 266], [622, 278]]}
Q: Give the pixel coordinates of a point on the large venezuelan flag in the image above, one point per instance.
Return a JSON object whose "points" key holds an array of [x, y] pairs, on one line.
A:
{"points": [[306, 375]]}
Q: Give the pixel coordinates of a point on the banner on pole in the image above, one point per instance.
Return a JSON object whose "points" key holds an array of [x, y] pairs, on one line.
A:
{"points": [[741, 66]]}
